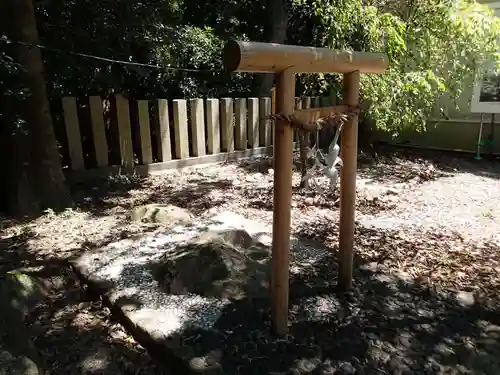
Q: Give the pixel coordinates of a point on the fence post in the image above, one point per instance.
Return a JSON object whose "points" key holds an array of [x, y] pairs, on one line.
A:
{"points": [[240, 130], [124, 131], [181, 131], [213, 126], [99, 131], [198, 127], [265, 124], [73, 133], [306, 102], [145, 132], [253, 122], [163, 136], [227, 123]]}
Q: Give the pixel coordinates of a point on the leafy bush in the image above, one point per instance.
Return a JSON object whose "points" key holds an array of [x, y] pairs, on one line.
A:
{"points": [[433, 48]]}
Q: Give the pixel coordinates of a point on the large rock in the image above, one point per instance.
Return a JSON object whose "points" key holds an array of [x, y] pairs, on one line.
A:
{"points": [[165, 214], [19, 292], [26, 287], [227, 264]]}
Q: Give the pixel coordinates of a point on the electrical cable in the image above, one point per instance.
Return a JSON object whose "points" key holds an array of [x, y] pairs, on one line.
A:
{"points": [[106, 59]]}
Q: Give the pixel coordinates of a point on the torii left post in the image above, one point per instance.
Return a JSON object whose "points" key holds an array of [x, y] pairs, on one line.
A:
{"points": [[286, 61]]}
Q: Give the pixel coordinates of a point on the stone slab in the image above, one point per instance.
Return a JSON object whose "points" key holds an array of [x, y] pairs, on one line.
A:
{"points": [[122, 272]]}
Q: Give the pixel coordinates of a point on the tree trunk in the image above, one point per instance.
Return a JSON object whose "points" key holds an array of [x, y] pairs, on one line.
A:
{"points": [[275, 32], [45, 165], [17, 196]]}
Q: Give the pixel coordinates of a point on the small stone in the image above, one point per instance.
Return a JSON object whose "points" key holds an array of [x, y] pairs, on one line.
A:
{"points": [[203, 363], [197, 363], [425, 313], [305, 366], [425, 327], [211, 361], [405, 276], [161, 213], [372, 266], [118, 335], [327, 363], [385, 278], [347, 368], [392, 191], [444, 349], [328, 370], [316, 361], [398, 367], [433, 366], [378, 354], [405, 339], [492, 328], [465, 299], [309, 201]]}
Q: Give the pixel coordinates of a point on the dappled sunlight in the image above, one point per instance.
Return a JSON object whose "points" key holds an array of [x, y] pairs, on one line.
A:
{"points": [[95, 362], [421, 298]]}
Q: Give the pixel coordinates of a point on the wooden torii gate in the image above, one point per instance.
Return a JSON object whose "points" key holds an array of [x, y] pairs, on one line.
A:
{"points": [[285, 61]]}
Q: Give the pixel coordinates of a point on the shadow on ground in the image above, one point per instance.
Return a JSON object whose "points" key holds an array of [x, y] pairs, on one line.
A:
{"points": [[72, 331], [405, 164], [199, 193], [388, 325], [99, 195], [13, 254]]}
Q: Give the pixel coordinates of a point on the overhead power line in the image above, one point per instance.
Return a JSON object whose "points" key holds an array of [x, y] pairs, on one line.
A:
{"points": [[105, 59]]}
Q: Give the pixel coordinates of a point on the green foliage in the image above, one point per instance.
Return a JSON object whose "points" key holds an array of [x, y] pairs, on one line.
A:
{"points": [[434, 47], [12, 90], [198, 48], [121, 30], [171, 33]]}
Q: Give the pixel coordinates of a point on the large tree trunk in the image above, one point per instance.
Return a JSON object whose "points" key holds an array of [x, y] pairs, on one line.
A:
{"points": [[44, 162], [17, 194], [275, 32]]}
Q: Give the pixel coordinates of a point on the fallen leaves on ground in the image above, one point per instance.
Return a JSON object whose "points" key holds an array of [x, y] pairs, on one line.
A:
{"points": [[439, 258]]}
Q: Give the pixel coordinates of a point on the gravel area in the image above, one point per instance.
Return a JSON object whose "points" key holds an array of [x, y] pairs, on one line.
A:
{"points": [[126, 268], [427, 275], [464, 202]]}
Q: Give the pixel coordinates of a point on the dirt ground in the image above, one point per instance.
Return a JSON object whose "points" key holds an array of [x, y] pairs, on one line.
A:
{"points": [[433, 217]]}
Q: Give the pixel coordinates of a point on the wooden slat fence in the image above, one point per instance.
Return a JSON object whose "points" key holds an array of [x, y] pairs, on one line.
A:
{"points": [[172, 134]]}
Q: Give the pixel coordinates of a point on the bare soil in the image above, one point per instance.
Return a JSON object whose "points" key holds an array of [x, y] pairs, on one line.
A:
{"points": [[432, 217]]}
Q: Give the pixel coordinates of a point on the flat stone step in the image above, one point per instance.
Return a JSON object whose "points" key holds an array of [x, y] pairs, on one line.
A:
{"points": [[165, 323]]}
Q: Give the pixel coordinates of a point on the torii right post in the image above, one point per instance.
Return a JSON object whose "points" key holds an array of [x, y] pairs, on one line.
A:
{"points": [[285, 61]]}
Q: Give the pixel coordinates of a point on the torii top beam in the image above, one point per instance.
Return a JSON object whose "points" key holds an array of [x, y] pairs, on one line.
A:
{"points": [[258, 57]]}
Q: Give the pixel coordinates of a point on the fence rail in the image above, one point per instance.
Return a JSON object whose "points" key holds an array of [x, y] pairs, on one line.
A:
{"points": [[106, 136]]}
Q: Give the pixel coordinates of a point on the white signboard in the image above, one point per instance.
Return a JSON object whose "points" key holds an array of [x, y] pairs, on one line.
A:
{"points": [[486, 94]]}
